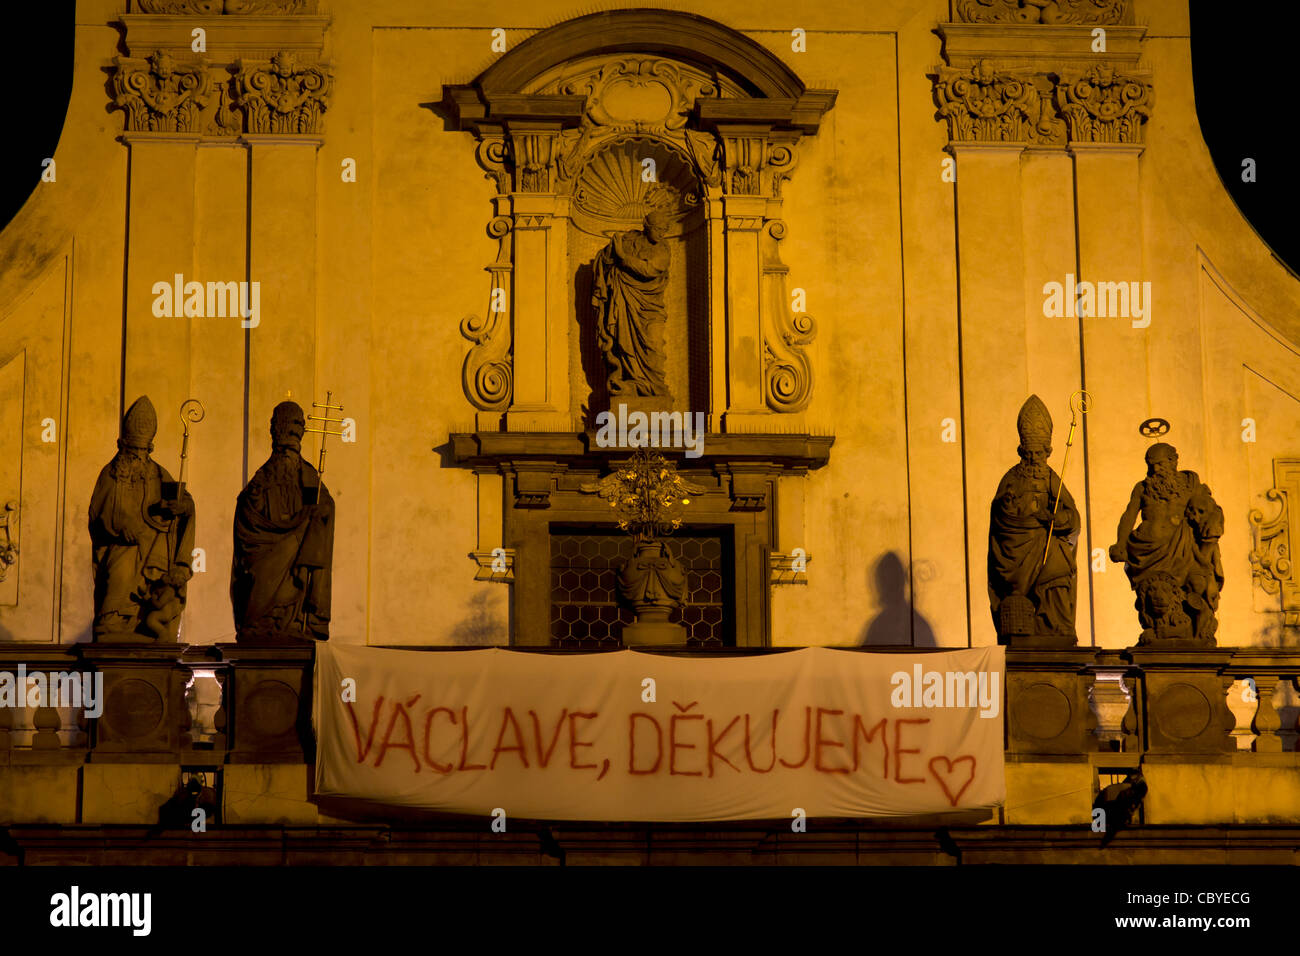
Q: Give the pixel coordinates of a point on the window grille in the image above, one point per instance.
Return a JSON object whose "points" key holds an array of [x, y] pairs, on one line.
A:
{"points": [[585, 612]]}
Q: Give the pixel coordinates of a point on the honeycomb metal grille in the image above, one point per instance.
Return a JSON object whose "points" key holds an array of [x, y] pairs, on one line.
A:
{"points": [[585, 612]]}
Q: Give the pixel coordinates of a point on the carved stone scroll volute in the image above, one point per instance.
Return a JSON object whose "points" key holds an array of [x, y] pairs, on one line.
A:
{"points": [[1272, 554], [757, 159], [1056, 12], [488, 374], [493, 156], [787, 370]]}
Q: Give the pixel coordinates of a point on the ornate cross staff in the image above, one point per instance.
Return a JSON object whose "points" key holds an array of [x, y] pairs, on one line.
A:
{"points": [[1080, 404], [324, 431]]}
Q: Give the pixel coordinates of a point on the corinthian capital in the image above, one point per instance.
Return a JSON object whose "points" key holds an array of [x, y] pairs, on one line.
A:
{"points": [[986, 105], [1103, 106], [159, 94], [283, 96]]}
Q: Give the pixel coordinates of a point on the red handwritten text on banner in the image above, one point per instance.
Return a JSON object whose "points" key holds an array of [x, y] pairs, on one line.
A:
{"points": [[573, 737]]}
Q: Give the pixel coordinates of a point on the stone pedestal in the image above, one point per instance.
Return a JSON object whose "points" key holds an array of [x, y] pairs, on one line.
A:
{"points": [[1184, 701], [654, 634], [269, 690], [643, 403], [136, 639], [1052, 642], [144, 702], [653, 582], [1047, 701]]}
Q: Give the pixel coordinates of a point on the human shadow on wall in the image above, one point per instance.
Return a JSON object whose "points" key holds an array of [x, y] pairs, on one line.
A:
{"points": [[897, 622]]}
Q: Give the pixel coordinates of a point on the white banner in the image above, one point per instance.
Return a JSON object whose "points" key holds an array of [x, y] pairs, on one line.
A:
{"points": [[635, 736]]}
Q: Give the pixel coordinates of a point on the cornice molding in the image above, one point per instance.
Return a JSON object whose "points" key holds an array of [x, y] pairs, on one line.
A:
{"points": [[1038, 48], [256, 140], [1105, 149], [136, 137], [257, 8], [228, 38], [770, 453]]}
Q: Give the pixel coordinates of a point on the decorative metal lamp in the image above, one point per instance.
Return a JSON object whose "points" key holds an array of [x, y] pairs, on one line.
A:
{"points": [[647, 496]]}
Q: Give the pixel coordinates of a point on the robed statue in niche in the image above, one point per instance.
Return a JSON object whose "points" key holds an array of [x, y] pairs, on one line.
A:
{"points": [[629, 277], [284, 543]]}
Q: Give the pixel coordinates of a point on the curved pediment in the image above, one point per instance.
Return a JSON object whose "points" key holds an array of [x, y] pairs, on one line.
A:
{"points": [[668, 33]]}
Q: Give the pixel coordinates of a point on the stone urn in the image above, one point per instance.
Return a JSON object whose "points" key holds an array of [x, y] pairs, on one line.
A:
{"points": [[653, 584]]}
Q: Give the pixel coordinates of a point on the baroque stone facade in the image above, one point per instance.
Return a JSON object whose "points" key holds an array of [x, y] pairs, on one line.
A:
{"points": [[863, 219]]}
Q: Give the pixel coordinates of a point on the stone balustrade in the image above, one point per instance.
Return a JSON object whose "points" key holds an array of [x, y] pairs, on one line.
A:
{"points": [[226, 703], [1212, 731]]}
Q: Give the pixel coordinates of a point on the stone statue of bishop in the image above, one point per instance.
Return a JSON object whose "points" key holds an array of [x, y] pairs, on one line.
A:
{"points": [[284, 543], [1032, 542]]}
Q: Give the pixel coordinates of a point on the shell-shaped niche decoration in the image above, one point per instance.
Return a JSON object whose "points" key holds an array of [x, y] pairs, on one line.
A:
{"points": [[624, 181]]}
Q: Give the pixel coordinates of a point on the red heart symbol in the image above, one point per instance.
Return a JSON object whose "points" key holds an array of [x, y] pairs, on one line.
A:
{"points": [[951, 765]]}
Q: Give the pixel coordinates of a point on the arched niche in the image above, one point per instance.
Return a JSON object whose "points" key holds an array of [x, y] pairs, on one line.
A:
{"points": [[616, 186], [554, 118]]}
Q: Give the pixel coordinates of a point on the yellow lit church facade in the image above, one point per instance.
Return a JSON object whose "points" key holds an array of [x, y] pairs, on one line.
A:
{"points": [[826, 256]]}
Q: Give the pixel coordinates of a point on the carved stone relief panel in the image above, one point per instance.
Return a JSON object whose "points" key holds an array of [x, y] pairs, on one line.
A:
{"points": [[1272, 558], [11, 472], [184, 93], [988, 104], [1043, 11], [646, 97]]}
